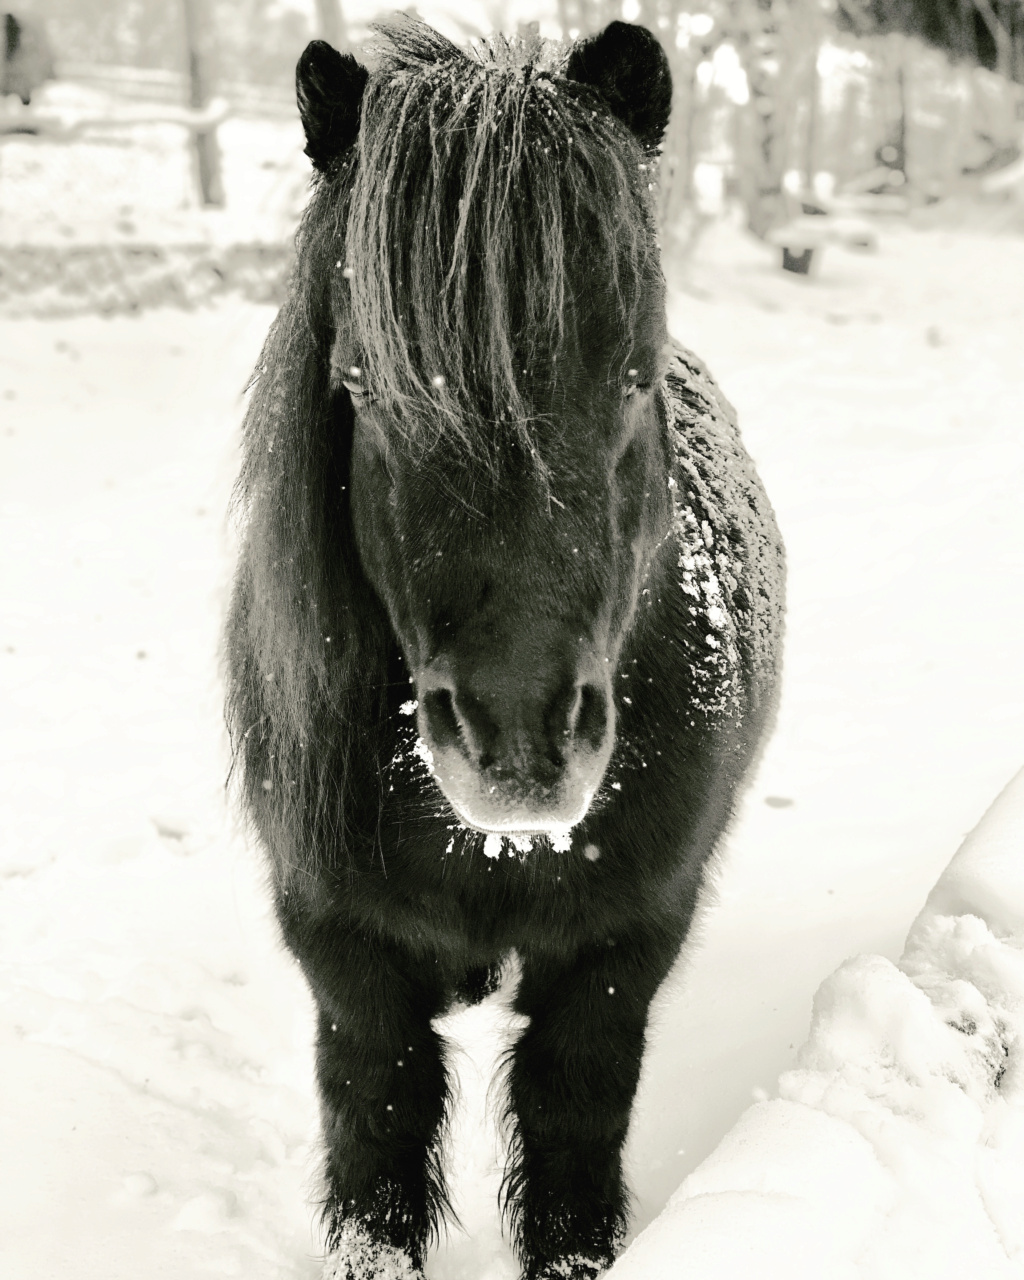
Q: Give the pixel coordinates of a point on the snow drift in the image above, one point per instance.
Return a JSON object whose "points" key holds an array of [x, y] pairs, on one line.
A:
{"points": [[895, 1148]]}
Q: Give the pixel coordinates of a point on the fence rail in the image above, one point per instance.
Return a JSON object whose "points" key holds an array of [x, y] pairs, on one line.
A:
{"points": [[153, 84]]}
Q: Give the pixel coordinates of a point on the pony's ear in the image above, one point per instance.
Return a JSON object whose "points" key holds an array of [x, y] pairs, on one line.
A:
{"points": [[628, 67], [329, 87]]}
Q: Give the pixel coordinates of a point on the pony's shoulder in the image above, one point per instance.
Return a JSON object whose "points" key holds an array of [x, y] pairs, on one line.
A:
{"points": [[729, 545]]}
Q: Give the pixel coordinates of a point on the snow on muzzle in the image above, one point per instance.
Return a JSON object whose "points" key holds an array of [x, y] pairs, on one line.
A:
{"points": [[517, 752]]}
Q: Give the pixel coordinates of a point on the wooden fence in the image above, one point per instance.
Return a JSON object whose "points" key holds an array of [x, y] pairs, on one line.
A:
{"points": [[150, 84]]}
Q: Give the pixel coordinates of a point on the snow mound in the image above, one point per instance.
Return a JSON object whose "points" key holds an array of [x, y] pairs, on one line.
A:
{"points": [[895, 1148]]}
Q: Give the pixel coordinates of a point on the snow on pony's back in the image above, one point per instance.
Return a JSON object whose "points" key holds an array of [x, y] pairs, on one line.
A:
{"points": [[895, 1149]]}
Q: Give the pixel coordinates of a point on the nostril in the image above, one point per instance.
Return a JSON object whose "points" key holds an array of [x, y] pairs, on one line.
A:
{"points": [[459, 721], [592, 716], [442, 721]]}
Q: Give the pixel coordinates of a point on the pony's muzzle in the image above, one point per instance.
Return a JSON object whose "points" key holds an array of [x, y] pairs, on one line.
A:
{"points": [[511, 755]]}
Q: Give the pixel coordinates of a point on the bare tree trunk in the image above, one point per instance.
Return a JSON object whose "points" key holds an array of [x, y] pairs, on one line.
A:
{"points": [[207, 150], [844, 161], [675, 179], [1000, 36], [901, 126], [767, 138], [813, 122], [586, 17], [330, 22]]}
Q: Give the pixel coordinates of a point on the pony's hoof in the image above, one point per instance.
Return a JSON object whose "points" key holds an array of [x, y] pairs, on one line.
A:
{"points": [[358, 1256]]}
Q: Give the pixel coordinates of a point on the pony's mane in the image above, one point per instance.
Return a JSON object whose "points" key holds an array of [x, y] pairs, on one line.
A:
{"points": [[482, 186]]}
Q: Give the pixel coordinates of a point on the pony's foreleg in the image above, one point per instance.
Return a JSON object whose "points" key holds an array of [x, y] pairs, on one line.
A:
{"points": [[383, 1095], [573, 1076]]}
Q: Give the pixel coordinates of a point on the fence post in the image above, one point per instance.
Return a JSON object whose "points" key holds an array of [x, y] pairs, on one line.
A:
{"points": [[331, 22], [207, 150]]}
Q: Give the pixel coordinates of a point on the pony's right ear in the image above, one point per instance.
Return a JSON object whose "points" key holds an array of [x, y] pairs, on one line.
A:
{"points": [[628, 67], [329, 87]]}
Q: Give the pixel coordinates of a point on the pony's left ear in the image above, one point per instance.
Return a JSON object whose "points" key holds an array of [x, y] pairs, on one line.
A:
{"points": [[628, 67], [329, 87]]}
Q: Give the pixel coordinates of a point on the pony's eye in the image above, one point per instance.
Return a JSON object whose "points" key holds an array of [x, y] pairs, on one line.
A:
{"points": [[631, 388], [633, 383], [354, 384], [357, 391]]}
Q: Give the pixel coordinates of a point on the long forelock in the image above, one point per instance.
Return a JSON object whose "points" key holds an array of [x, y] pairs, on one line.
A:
{"points": [[484, 185]]}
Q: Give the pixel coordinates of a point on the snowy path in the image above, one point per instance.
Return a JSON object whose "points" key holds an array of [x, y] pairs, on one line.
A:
{"points": [[158, 1107], [895, 1147]]}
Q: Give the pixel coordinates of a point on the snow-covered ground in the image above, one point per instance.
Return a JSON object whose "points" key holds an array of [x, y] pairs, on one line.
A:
{"points": [[158, 1116]]}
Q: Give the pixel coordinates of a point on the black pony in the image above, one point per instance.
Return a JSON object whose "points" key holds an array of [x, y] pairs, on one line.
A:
{"points": [[505, 628]]}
